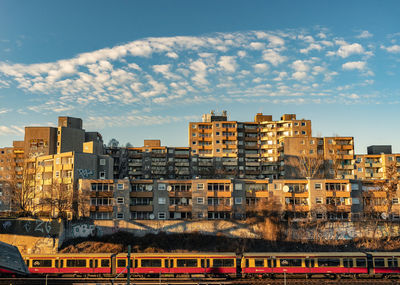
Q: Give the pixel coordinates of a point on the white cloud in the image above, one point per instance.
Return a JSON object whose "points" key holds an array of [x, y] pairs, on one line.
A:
{"points": [[346, 50], [228, 63], [257, 45], [260, 67], [360, 65], [241, 53], [172, 54], [273, 57], [300, 65], [392, 49], [299, 75], [11, 130], [311, 47], [364, 35]]}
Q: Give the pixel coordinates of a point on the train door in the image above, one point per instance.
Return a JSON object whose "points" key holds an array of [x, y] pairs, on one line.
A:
{"points": [[113, 264], [370, 264], [309, 264], [272, 264]]}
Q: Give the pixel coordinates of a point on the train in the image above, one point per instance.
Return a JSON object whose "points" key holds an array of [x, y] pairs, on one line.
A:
{"points": [[232, 265]]}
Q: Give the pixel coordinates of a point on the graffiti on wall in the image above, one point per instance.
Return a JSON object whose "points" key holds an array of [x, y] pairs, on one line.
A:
{"points": [[39, 228], [85, 230], [85, 173]]}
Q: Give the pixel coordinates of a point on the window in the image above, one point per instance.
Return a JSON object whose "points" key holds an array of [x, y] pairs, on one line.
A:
{"points": [[223, 262], [303, 123], [289, 262], [151, 262], [57, 160], [162, 216], [238, 200], [41, 263], [317, 186], [120, 200], [105, 263], [102, 161], [395, 200], [161, 200], [238, 186], [120, 186], [102, 175], [162, 187], [217, 133], [186, 262], [318, 200], [76, 263], [120, 216], [324, 262], [200, 186], [57, 174], [303, 132], [200, 200]]}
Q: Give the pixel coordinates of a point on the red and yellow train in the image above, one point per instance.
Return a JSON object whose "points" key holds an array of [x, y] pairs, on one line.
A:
{"points": [[249, 265]]}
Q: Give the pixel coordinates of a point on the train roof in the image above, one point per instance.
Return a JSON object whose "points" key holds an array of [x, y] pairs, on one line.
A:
{"points": [[302, 254], [11, 259], [133, 254], [384, 254]]}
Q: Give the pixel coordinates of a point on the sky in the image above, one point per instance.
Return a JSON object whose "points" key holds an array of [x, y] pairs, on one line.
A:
{"points": [[136, 70]]}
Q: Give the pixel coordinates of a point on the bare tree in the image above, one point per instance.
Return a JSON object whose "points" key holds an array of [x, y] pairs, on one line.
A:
{"points": [[22, 187]]}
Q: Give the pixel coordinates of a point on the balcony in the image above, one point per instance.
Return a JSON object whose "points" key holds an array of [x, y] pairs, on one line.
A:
{"points": [[219, 208], [141, 208], [146, 194], [135, 164], [48, 181], [251, 154], [182, 164], [180, 208], [68, 166], [101, 208], [67, 180], [296, 195], [231, 163], [252, 163], [179, 194], [48, 168], [226, 194], [338, 208], [298, 208]]}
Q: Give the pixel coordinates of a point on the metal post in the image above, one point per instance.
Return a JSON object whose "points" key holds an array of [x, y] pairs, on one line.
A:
{"points": [[284, 277], [128, 278]]}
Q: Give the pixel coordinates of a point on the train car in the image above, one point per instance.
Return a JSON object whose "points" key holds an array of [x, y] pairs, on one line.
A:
{"points": [[326, 263], [71, 263], [385, 263], [178, 263]]}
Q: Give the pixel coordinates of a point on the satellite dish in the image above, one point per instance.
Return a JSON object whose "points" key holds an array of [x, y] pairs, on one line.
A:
{"points": [[149, 187], [169, 188], [184, 200], [151, 216], [285, 188], [384, 216]]}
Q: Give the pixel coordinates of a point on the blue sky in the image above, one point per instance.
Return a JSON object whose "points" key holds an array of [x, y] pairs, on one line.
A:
{"points": [[137, 70]]}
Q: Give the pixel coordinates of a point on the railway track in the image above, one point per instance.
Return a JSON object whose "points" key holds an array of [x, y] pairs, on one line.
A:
{"points": [[182, 281]]}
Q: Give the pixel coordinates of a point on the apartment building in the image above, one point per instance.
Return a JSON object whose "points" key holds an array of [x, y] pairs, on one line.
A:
{"points": [[375, 166], [11, 168], [325, 199], [54, 178], [329, 157], [151, 161]]}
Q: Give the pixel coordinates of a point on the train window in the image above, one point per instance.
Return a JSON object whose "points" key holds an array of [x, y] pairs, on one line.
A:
{"points": [[225, 262], [91, 263], [392, 262], [136, 263], [246, 261], [186, 263], [258, 262], [347, 262], [56, 263], [379, 262], [289, 262], [76, 262], [331, 262], [41, 263], [27, 262], [151, 262], [121, 263], [105, 263], [202, 261], [208, 263], [61, 263], [96, 263], [361, 262], [309, 262]]}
